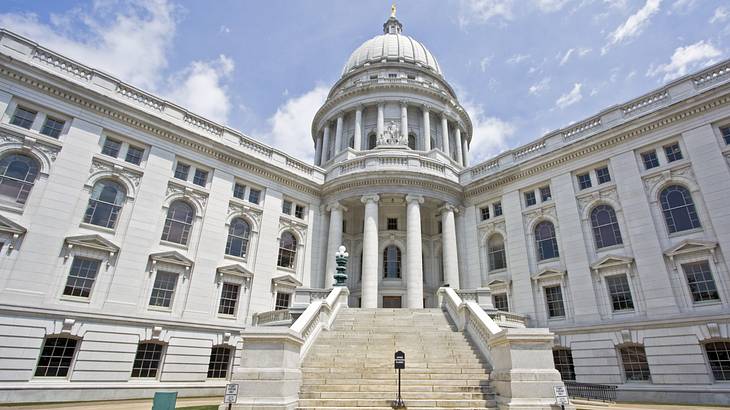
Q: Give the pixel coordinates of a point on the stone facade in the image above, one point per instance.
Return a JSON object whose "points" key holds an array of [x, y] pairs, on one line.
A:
{"points": [[130, 225]]}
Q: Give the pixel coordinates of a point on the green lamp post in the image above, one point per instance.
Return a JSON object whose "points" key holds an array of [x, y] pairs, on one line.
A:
{"points": [[341, 271]]}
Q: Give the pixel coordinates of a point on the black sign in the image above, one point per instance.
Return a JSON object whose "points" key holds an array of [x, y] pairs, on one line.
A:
{"points": [[400, 360]]}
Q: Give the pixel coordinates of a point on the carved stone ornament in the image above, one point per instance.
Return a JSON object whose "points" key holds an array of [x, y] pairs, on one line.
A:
{"points": [[199, 197], [652, 181], [98, 165], [607, 194], [392, 136], [235, 208], [531, 216]]}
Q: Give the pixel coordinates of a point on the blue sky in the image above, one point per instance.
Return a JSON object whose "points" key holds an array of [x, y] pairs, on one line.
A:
{"points": [[521, 67]]}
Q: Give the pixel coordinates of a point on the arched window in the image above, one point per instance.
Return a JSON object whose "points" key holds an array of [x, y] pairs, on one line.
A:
{"points": [[605, 227], [287, 250], [718, 354], [17, 174], [433, 143], [178, 222], [372, 140], [679, 209], [412, 141], [495, 249], [547, 244], [107, 198], [238, 233], [391, 262]]}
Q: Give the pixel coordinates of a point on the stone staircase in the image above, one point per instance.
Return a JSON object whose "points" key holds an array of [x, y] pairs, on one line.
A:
{"points": [[351, 365]]}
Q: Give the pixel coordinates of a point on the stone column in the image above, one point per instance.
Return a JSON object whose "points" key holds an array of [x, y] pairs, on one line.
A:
{"points": [[448, 239], [414, 262], [404, 119], [334, 239], [457, 141], [426, 129], [325, 143], [445, 135], [338, 133], [370, 252], [465, 150], [358, 129], [381, 119], [318, 151]]}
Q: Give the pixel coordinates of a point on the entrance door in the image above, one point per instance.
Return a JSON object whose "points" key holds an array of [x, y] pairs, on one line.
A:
{"points": [[391, 301]]}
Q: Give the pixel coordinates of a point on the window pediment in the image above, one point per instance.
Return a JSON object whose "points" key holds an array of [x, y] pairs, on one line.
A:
{"points": [[549, 273], [10, 227], [690, 246], [498, 284], [610, 261], [171, 257], [286, 281], [93, 242], [235, 269]]}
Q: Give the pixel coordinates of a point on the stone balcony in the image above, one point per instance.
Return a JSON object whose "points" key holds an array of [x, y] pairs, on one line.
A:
{"points": [[433, 162]]}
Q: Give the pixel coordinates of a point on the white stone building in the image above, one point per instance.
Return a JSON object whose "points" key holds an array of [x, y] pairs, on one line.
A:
{"points": [[137, 239]]}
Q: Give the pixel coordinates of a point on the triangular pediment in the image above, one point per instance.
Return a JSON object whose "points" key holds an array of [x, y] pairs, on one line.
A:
{"points": [[8, 226], [612, 260], [498, 283], [548, 273], [172, 257], [689, 246], [93, 242], [287, 280], [235, 269]]}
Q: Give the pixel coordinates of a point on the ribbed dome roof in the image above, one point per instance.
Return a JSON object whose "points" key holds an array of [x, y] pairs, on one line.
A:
{"points": [[392, 47]]}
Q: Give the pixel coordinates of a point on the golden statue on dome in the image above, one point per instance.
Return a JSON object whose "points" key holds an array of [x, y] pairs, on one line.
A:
{"points": [[392, 10]]}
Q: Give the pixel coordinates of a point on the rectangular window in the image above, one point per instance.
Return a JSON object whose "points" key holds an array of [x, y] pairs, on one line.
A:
{"points": [[147, 360], [229, 299], [392, 75], [725, 131], [718, 354], [497, 209], [545, 194], [411, 77], [344, 227], [286, 207], [554, 301], [200, 177], [650, 159], [282, 301], [81, 277], [439, 227], [254, 196], [220, 361], [134, 155], [484, 212], [56, 357], [164, 289], [111, 147], [374, 77], [239, 191], [563, 359], [500, 302], [620, 293], [603, 175], [700, 282], [299, 211], [52, 127], [392, 224], [530, 199], [674, 153], [584, 181], [636, 367], [181, 171], [23, 117]]}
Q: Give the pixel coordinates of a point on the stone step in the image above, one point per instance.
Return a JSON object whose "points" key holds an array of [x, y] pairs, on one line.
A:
{"points": [[387, 363], [387, 388], [391, 408], [482, 381], [406, 395], [381, 402]]}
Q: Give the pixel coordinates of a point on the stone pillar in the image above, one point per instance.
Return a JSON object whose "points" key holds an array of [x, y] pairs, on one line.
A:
{"points": [[338, 133], [325, 143], [414, 261], [445, 135], [381, 119], [404, 119], [465, 150], [370, 252], [334, 239], [448, 239], [426, 129], [358, 129], [457, 141], [318, 151]]}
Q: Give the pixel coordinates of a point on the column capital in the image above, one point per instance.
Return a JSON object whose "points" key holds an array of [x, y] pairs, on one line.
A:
{"points": [[381, 104], [340, 115], [370, 198], [335, 205], [448, 207], [426, 107], [403, 103], [416, 198], [360, 107]]}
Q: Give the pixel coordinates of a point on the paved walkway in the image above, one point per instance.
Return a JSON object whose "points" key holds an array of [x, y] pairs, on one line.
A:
{"points": [[583, 405]]}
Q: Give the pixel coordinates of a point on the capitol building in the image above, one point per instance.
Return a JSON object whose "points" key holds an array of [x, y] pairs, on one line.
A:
{"points": [[145, 248]]}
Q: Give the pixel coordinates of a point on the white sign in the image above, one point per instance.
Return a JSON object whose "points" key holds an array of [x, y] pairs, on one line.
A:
{"points": [[231, 393], [561, 395]]}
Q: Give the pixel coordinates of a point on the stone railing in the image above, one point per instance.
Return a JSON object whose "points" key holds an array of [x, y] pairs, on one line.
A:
{"points": [[508, 319], [523, 374], [271, 318], [269, 374], [393, 160]]}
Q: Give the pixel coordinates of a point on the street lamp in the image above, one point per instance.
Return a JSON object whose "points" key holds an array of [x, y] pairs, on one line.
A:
{"points": [[341, 271]]}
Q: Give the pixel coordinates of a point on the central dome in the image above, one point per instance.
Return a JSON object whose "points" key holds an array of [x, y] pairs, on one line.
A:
{"points": [[392, 47]]}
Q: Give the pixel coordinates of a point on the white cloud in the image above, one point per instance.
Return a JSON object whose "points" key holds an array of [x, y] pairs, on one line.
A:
{"points": [[683, 6], [685, 59], [721, 14], [291, 124], [224, 29], [481, 11], [490, 134], [484, 63], [550, 6], [199, 88], [539, 87], [634, 25], [571, 97], [566, 57], [517, 58]]}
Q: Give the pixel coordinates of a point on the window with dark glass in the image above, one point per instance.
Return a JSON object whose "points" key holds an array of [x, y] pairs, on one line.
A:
{"points": [[718, 354], [56, 357], [52, 127], [673, 152], [725, 131], [178, 223], [606, 231], [111, 147], [392, 224], [23, 117], [530, 198], [239, 191], [200, 177], [134, 155], [81, 277], [547, 243], [391, 262], [287, 250], [603, 175], [105, 203], [619, 292], [700, 281], [484, 213], [495, 248], [181, 171], [220, 362], [635, 365], [584, 181], [650, 159], [497, 209], [439, 227], [17, 175], [545, 194], [563, 359], [392, 75], [147, 360], [286, 207], [229, 299], [282, 301], [678, 209], [500, 302], [163, 289], [299, 211], [238, 233], [372, 141], [254, 196], [554, 301], [412, 141]]}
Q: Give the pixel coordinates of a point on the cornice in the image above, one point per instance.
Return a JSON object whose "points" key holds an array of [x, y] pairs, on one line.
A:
{"points": [[382, 179]]}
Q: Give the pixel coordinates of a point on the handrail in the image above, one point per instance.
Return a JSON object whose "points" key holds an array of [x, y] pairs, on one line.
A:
{"points": [[271, 316], [319, 315], [592, 391]]}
